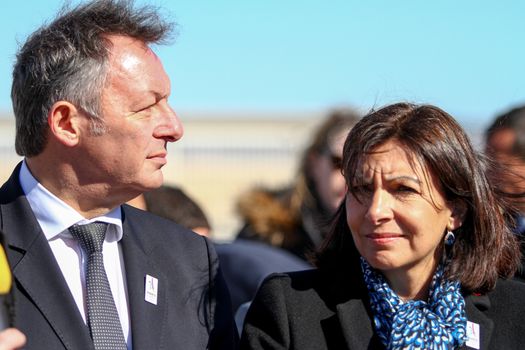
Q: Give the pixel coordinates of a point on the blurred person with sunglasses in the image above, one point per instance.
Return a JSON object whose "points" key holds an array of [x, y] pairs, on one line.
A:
{"points": [[296, 218]]}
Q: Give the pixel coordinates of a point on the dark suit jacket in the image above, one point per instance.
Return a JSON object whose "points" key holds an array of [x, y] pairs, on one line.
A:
{"points": [[193, 307], [310, 310], [245, 264]]}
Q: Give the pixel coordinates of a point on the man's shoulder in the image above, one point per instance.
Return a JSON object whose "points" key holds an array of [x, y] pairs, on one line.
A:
{"points": [[165, 242], [259, 255], [11, 188], [136, 221]]}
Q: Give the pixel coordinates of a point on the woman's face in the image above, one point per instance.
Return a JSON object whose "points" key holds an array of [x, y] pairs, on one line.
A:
{"points": [[401, 216]]}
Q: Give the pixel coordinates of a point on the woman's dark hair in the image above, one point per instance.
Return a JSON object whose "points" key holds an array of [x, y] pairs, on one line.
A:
{"points": [[485, 246]]}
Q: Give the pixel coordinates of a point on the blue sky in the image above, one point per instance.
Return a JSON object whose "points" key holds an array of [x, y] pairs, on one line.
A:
{"points": [[465, 56]]}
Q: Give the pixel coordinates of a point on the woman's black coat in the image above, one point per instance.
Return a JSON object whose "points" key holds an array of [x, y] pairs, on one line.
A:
{"points": [[312, 310]]}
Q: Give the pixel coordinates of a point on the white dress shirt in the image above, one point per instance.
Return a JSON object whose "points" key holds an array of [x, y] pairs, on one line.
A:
{"points": [[55, 217]]}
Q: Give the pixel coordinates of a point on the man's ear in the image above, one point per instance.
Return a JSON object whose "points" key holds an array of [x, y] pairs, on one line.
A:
{"points": [[64, 123], [459, 211]]}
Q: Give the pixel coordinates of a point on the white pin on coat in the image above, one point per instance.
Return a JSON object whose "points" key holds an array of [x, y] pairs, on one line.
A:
{"points": [[151, 289], [472, 335]]}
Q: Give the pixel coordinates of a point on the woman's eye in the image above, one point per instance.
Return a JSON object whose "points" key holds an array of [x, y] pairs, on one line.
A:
{"points": [[406, 189]]}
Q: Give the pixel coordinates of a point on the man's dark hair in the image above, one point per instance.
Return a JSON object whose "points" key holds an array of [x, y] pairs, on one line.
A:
{"points": [[173, 204], [67, 60], [513, 120]]}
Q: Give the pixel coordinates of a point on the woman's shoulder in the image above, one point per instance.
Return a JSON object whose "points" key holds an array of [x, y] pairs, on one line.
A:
{"points": [[293, 286], [505, 299], [509, 287], [504, 288], [304, 279], [312, 284], [499, 314]]}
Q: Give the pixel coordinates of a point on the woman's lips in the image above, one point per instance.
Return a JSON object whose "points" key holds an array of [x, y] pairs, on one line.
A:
{"points": [[384, 238]]}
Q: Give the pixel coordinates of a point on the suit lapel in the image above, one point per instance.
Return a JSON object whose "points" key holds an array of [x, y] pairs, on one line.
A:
{"points": [[351, 308], [36, 271], [355, 324], [357, 329], [147, 319], [473, 307]]}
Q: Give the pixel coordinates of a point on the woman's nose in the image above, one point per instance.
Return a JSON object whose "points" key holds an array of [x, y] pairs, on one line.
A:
{"points": [[379, 208]]}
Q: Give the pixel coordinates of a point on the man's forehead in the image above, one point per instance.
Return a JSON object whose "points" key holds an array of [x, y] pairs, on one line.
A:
{"points": [[122, 43], [127, 54]]}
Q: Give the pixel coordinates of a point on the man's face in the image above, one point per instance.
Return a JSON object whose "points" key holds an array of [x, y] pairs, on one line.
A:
{"points": [[512, 171], [129, 156]]}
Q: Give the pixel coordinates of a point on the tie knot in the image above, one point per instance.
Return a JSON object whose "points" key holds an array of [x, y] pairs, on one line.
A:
{"points": [[90, 236]]}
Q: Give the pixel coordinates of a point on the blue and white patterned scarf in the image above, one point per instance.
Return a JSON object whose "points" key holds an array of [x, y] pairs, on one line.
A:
{"points": [[439, 323]]}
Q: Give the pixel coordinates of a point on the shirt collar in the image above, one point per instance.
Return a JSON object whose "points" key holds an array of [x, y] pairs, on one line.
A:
{"points": [[53, 214]]}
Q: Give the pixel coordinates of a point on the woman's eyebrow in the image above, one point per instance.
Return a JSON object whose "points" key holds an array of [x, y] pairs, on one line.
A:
{"points": [[404, 177]]}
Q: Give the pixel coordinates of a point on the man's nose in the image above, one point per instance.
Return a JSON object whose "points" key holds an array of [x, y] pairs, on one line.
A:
{"points": [[169, 126]]}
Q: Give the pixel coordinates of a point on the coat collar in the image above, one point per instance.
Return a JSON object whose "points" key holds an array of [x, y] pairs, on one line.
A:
{"points": [[356, 325], [37, 272], [476, 306], [353, 311], [355, 317], [147, 319], [35, 269]]}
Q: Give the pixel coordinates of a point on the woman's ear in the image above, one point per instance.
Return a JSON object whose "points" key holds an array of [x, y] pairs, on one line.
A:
{"points": [[63, 121], [459, 211]]}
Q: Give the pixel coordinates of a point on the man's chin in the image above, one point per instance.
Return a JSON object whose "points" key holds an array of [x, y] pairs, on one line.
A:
{"points": [[153, 182]]}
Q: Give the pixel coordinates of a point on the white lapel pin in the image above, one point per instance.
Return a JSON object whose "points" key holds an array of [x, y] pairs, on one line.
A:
{"points": [[151, 289], [472, 335]]}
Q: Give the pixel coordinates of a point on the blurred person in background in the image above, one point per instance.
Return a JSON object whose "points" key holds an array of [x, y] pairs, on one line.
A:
{"points": [[244, 264], [173, 203], [505, 143], [418, 255], [296, 218]]}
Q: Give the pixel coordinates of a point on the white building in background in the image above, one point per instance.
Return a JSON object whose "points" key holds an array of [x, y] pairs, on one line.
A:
{"points": [[223, 155], [219, 157]]}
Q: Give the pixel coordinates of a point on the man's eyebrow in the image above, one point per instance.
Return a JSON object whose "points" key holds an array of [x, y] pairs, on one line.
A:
{"points": [[159, 95]]}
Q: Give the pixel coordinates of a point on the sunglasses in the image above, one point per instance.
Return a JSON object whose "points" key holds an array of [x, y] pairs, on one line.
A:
{"points": [[337, 162]]}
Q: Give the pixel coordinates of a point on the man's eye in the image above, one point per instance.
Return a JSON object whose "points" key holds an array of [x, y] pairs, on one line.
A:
{"points": [[145, 108]]}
